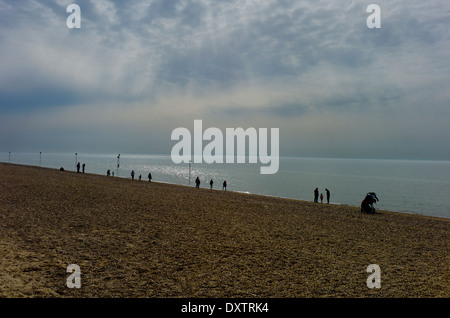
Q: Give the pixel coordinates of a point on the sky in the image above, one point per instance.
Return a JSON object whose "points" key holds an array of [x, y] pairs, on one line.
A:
{"points": [[137, 70]]}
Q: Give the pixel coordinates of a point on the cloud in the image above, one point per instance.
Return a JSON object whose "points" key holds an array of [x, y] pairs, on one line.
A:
{"points": [[151, 66]]}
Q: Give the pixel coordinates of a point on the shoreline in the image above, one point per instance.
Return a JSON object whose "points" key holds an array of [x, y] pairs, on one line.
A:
{"points": [[141, 239], [241, 192]]}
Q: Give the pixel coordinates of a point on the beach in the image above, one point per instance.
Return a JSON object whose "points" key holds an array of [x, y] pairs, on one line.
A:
{"points": [[149, 239]]}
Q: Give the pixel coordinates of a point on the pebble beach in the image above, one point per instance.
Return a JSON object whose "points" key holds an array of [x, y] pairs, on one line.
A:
{"points": [[141, 239]]}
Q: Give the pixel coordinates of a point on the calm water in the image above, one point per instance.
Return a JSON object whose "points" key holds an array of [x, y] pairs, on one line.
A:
{"points": [[419, 187]]}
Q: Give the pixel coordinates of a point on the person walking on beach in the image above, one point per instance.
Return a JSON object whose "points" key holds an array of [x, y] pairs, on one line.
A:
{"points": [[316, 195], [224, 186], [108, 172], [78, 167], [149, 177], [132, 174], [140, 176], [84, 166], [328, 196], [211, 183], [197, 183], [321, 198]]}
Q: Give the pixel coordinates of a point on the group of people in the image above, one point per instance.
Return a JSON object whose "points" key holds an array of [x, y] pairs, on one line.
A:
{"points": [[149, 176], [197, 183], [368, 201], [316, 195], [211, 183], [78, 167], [197, 180]]}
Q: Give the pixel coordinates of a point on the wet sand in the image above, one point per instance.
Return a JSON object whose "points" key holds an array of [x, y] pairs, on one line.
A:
{"points": [[141, 239]]}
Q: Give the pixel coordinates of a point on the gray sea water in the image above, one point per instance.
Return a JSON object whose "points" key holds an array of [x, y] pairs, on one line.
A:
{"points": [[417, 187]]}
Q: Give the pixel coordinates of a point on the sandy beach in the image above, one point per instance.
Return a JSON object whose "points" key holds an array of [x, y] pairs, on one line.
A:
{"points": [[141, 239]]}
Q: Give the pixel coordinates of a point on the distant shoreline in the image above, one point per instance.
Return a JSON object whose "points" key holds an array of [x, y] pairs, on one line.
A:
{"points": [[114, 155], [217, 189]]}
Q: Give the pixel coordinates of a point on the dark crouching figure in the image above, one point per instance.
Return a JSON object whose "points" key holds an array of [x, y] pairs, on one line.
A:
{"points": [[367, 203]]}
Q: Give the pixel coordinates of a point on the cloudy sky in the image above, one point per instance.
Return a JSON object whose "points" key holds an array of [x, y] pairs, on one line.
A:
{"points": [[136, 70]]}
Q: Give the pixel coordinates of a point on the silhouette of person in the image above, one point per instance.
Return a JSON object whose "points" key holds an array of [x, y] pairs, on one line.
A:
{"points": [[84, 165], [197, 183], [321, 198], [132, 174], [328, 196], [140, 176], [367, 203], [149, 177], [316, 195], [371, 197], [108, 172], [211, 183], [78, 167], [224, 186], [113, 173]]}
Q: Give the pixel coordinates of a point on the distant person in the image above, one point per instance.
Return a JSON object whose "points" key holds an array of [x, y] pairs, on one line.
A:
{"points": [[132, 174], [113, 173], [61, 169], [328, 196], [197, 183], [108, 172], [224, 186], [321, 198], [316, 195], [149, 177], [84, 166], [140, 176], [78, 167], [211, 183], [367, 203]]}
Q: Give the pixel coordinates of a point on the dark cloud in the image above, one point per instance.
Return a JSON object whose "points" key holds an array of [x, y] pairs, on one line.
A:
{"points": [[269, 60]]}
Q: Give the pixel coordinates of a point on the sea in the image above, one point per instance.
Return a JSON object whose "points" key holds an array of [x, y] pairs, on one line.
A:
{"points": [[409, 186]]}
